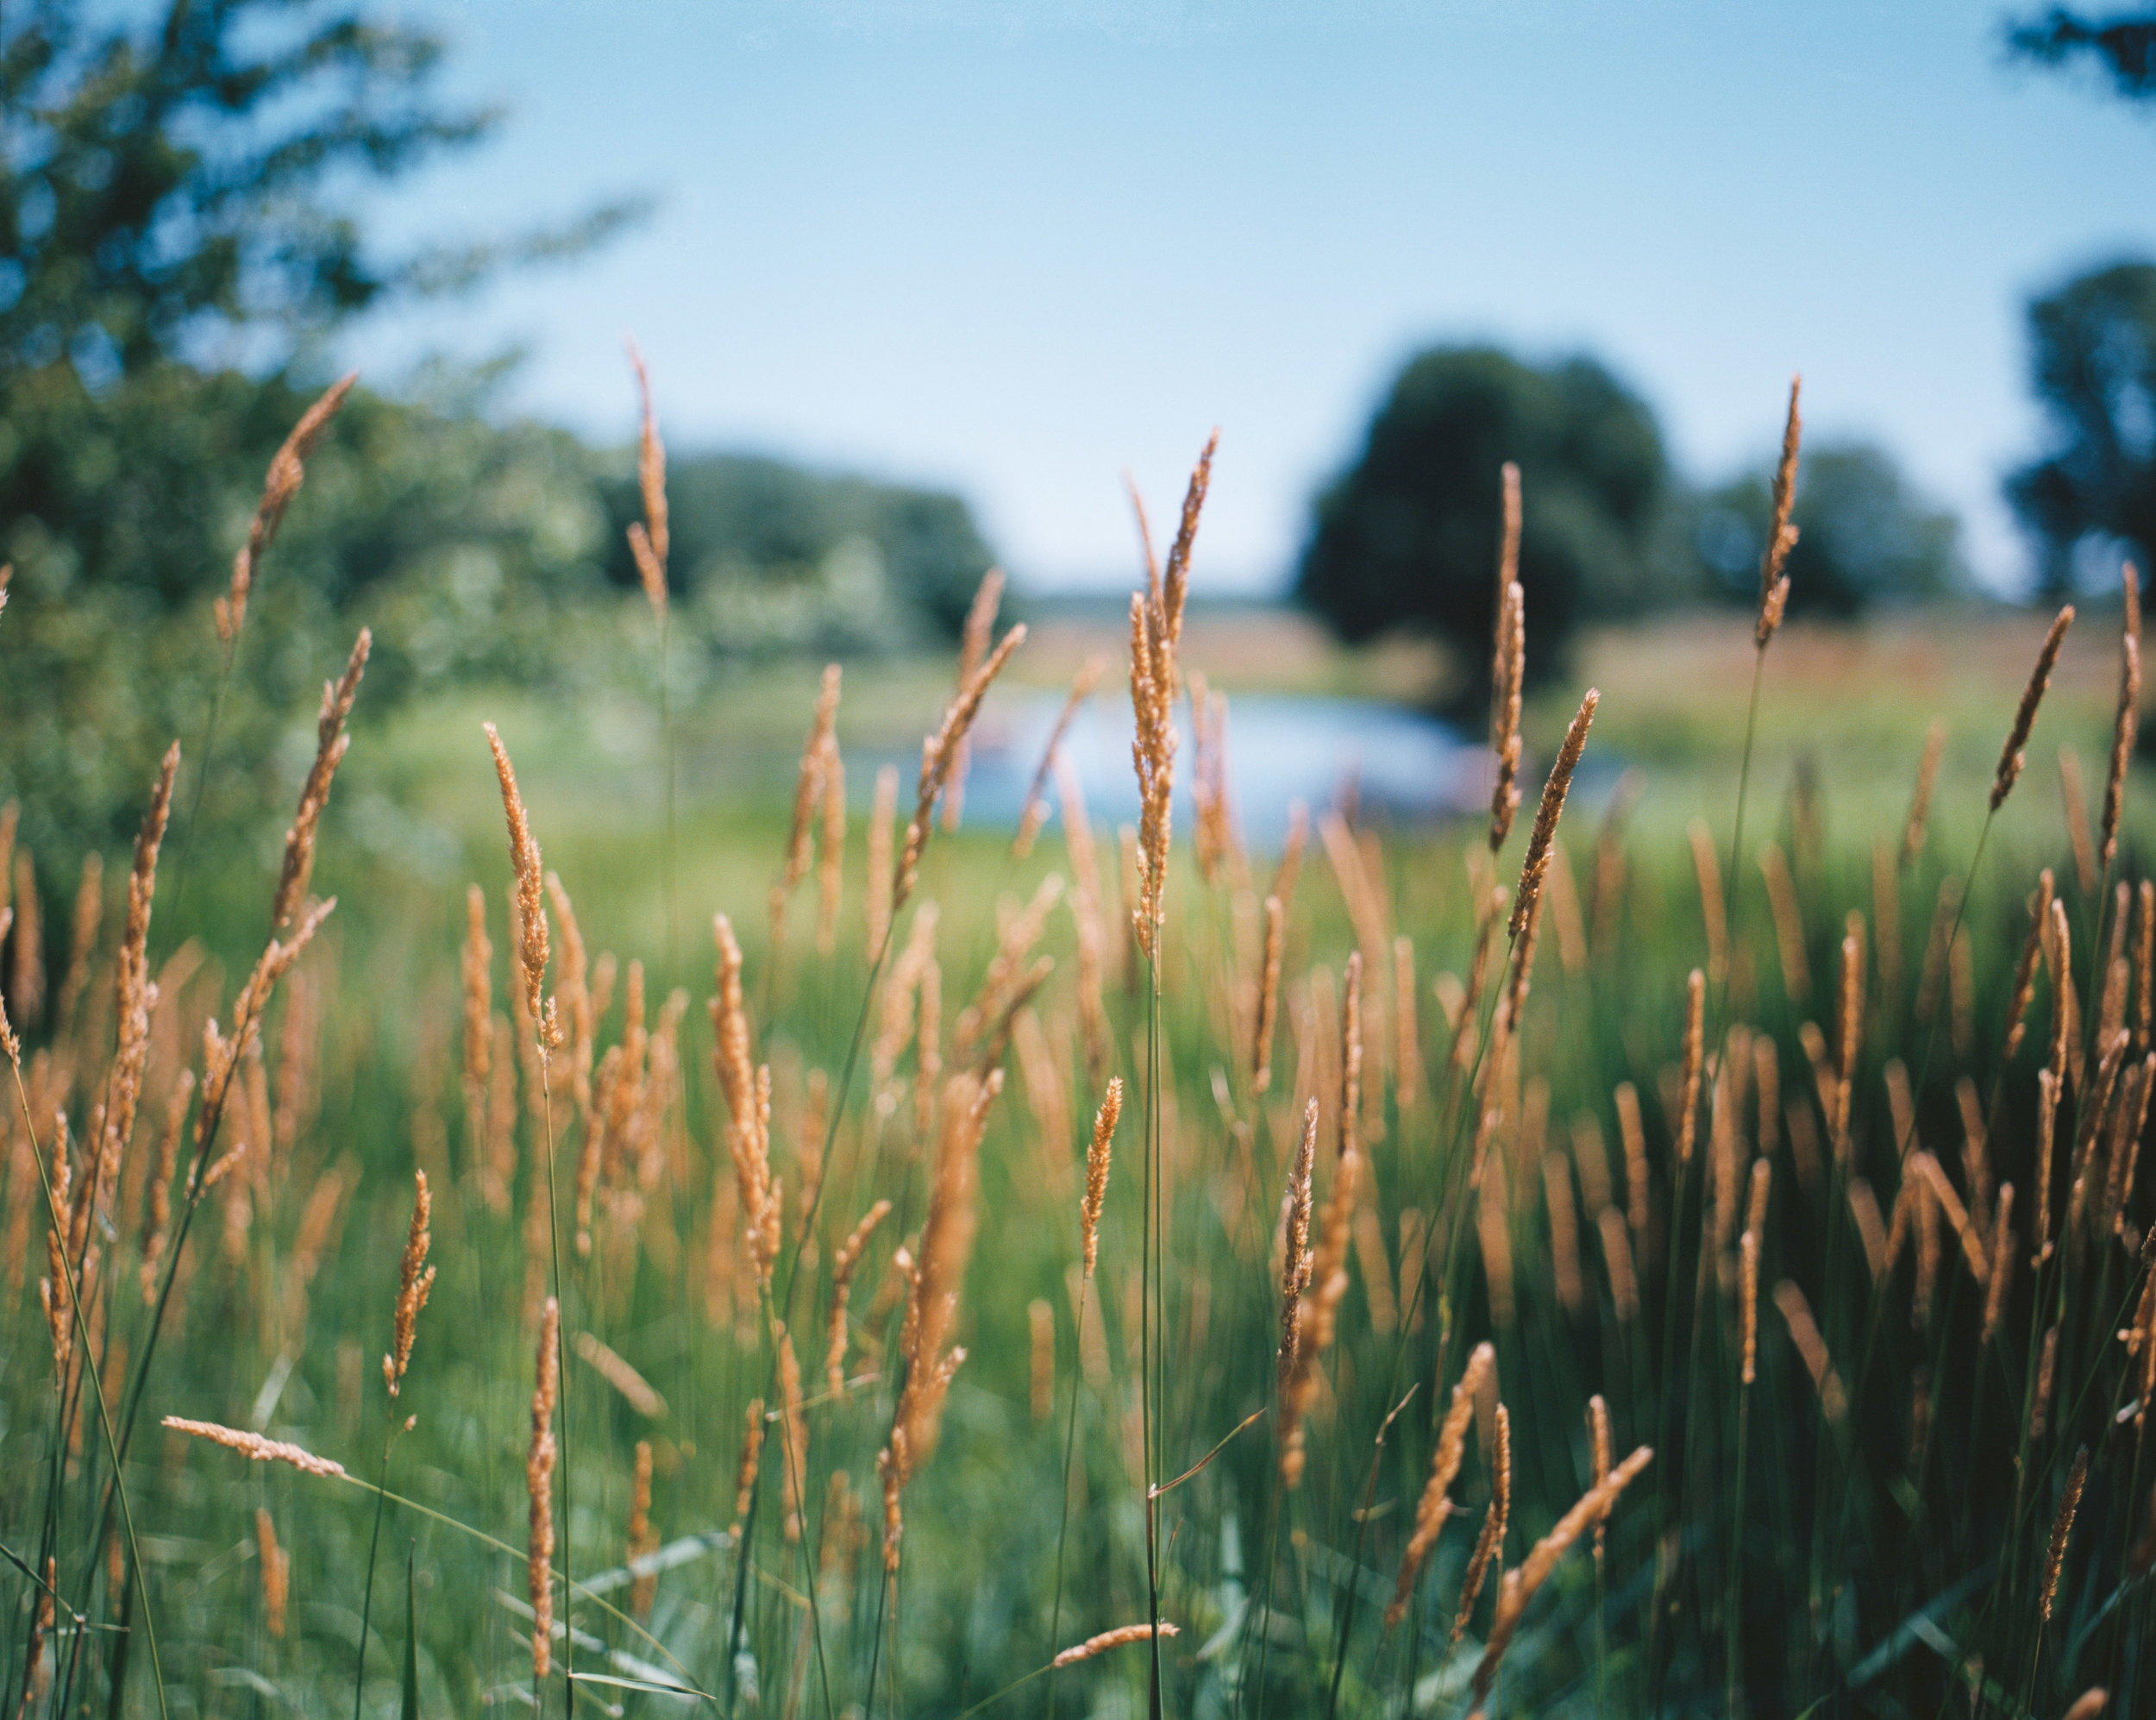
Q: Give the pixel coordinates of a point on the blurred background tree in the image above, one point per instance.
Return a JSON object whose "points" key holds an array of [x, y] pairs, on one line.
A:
{"points": [[776, 557], [179, 244], [2121, 48], [1407, 537], [2092, 362], [1865, 536]]}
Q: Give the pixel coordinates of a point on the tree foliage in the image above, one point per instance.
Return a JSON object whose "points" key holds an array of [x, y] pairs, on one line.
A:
{"points": [[1408, 535], [785, 556], [2121, 48], [1865, 535], [2092, 350]]}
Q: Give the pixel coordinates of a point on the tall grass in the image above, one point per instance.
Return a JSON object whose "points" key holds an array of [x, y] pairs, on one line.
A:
{"points": [[1602, 1317]]}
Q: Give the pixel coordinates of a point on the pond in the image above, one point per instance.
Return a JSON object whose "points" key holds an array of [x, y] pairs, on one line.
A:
{"points": [[1406, 766]]}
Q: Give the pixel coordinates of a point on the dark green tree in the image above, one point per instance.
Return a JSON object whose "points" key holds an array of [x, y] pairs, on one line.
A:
{"points": [[1865, 535], [1407, 537], [2092, 352]]}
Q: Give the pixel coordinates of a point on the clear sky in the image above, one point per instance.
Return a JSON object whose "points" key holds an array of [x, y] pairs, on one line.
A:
{"points": [[1017, 248]]}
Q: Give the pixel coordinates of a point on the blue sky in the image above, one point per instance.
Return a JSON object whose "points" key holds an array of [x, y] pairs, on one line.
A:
{"points": [[1016, 249]]}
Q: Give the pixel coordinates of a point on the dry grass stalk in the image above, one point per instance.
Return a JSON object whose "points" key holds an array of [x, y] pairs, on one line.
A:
{"points": [[2125, 729], [256, 1446], [1040, 1319], [844, 1264], [649, 539], [134, 995], [476, 969], [1695, 1064], [1536, 863], [1797, 1312], [2011, 757], [1633, 1130], [747, 1092], [642, 1539], [817, 753], [1923, 1164], [277, 1569], [793, 1433], [1850, 1023], [973, 650], [1155, 678], [2046, 1375], [1789, 924], [2024, 985], [1408, 1076], [2062, 1528], [539, 1487], [2065, 1041], [1508, 677], [1325, 1277], [1034, 813], [287, 471], [938, 756], [1624, 1284], [532, 952], [2144, 965], [1436, 1504], [1518, 1587], [1774, 585], [331, 744], [1708, 869], [947, 1234], [2001, 1264], [2073, 804], [1121, 1636], [1489, 1546], [1296, 1262], [1748, 1302], [751, 1455], [1921, 800], [1267, 998], [415, 1282], [636, 1391], [1096, 1155]]}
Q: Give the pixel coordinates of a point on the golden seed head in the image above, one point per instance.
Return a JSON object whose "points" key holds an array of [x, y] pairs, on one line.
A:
{"points": [[1096, 1155], [1536, 864], [255, 1446], [415, 1280], [1117, 1638], [2062, 1528], [2010, 757]]}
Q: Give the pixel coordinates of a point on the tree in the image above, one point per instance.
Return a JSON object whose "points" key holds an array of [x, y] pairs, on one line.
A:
{"points": [[161, 187], [840, 559], [2124, 47], [1865, 535], [174, 196], [1408, 535], [177, 238], [2093, 366]]}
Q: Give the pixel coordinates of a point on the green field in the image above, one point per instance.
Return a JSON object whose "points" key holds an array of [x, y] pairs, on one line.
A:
{"points": [[1890, 1557]]}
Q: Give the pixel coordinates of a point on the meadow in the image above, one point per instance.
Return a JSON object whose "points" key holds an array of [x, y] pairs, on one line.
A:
{"points": [[1680, 1253]]}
